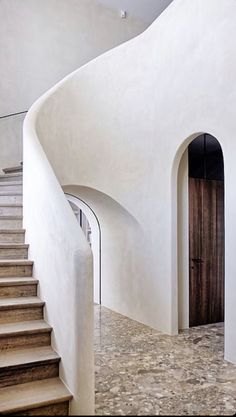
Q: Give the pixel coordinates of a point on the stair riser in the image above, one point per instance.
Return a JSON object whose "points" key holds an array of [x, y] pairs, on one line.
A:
{"points": [[12, 188], [29, 373], [21, 314], [18, 291], [10, 224], [12, 238], [25, 341], [5, 178], [16, 271], [11, 199], [11, 211], [61, 409], [21, 253]]}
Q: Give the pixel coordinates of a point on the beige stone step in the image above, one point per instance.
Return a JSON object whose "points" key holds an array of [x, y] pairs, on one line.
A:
{"points": [[25, 365], [13, 251], [36, 395], [11, 189], [11, 222], [14, 287], [10, 183], [19, 335], [17, 309], [12, 170], [16, 268], [11, 177], [11, 186], [12, 236], [11, 209], [9, 197]]}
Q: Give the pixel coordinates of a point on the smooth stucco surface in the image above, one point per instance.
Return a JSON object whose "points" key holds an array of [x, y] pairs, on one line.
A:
{"points": [[120, 126]]}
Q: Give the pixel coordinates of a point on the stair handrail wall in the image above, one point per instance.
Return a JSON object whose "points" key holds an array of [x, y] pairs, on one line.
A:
{"points": [[63, 266]]}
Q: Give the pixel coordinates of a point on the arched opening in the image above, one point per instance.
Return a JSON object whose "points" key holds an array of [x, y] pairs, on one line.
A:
{"points": [[201, 233], [90, 225]]}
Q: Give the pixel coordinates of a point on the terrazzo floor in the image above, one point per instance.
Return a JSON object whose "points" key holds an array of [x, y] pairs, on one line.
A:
{"points": [[140, 371]]}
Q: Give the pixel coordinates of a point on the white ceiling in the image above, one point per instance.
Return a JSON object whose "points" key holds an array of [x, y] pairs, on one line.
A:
{"points": [[146, 10]]}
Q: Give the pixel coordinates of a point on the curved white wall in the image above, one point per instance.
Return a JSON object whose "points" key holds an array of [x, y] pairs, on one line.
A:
{"points": [[62, 264], [121, 124]]}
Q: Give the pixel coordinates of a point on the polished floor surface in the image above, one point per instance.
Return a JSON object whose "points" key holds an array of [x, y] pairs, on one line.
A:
{"points": [[140, 371]]}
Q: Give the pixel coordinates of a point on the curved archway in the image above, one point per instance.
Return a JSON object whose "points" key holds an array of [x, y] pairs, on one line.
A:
{"points": [[200, 232], [95, 242]]}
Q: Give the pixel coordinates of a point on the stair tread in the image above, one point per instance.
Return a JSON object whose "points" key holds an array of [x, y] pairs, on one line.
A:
{"points": [[11, 231], [11, 175], [11, 205], [33, 394], [11, 217], [20, 301], [10, 183], [11, 281], [14, 245], [10, 262], [10, 192], [21, 357], [24, 327]]}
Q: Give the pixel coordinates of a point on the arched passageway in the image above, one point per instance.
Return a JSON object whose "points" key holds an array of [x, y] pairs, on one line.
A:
{"points": [[201, 233]]}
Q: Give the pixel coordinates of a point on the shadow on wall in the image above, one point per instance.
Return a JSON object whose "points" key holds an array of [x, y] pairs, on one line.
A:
{"points": [[120, 237]]}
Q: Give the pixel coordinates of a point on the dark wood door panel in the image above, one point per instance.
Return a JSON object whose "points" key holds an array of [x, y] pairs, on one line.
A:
{"points": [[206, 251]]}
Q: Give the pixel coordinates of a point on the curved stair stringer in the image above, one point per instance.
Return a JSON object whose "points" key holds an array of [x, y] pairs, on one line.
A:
{"points": [[63, 267]]}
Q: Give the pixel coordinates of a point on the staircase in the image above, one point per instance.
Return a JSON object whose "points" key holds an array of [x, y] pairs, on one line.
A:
{"points": [[29, 367]]}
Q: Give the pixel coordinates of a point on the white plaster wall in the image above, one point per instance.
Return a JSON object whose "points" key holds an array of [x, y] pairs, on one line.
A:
{"points": [[146, 10], [63, 265], [43, 41], [121, 240], [130, 115], [11, 140]]}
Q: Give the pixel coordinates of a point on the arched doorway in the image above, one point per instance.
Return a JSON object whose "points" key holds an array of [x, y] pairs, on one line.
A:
{"points": [[206, 231], [201, 233], [89, 223]]}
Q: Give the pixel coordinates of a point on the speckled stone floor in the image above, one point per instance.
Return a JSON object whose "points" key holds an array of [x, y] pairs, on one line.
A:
{"points": [[140, 371]]}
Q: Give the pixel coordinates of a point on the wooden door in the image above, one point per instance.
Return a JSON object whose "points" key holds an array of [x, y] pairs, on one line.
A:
{"points": [[206, 251]]}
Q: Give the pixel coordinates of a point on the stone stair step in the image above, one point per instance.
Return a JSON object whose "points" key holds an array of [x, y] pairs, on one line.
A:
{"points": [[9, 197], [14, 287], [19, 335], [20, 366], [11, 209], [18, 176], [11, 222], [35, 396], [12, 236], [16, 267], [17, 309], [13, 251]]}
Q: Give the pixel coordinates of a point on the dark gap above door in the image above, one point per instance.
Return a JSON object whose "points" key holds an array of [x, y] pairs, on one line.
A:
{"points": [[206, 158]]}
